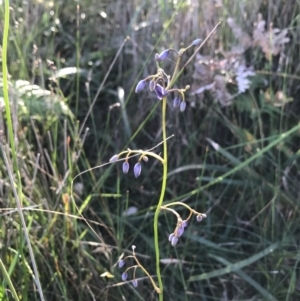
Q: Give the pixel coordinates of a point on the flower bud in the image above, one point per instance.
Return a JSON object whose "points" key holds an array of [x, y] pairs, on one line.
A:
{"points": [[176, 102], [124, 276], [114, 158], [174, 241], [121, 263], [163, 55], [160, 91], [145, 158], [199, 218], [140, 86], [134, 283], [152, 85], [182, 106], [196, 42], [125, 167], [137, 169]]}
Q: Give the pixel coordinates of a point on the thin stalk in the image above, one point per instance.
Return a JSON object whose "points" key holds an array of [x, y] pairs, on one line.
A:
{"points": [[161, 198]]}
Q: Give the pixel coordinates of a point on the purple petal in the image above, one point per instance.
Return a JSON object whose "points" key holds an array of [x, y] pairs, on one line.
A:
{"points": [[137, 169], [163, 55], [134, 283], [121, 263], [174, 241], [125, 167], [124, 276], [184, 224], [176, 102], [160, 91], [152, 85], [196, 42], [182, 106], [199, 218], [171, 237], [114, 158], [140, 86], [180, 231]]}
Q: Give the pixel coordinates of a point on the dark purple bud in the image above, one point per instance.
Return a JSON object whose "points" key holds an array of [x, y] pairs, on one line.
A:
{"points": [[163, 55], [134, 283], [184, 224], [182, 106], [171, 237], [160, 91], [140, 86], [174, 241], [180, 231], [176, 102], [114, 158], [152, 85], [125, 167], [196, 42], [199, 218], [121, 263], [124, 276], [137, 169]]}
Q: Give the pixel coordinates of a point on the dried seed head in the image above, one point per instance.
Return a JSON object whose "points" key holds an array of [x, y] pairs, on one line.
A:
{"points": [[140, 86], [125, 167], [137, 169]]}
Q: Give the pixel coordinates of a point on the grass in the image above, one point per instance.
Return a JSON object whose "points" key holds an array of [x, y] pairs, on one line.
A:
{"points": [[239, 164]]}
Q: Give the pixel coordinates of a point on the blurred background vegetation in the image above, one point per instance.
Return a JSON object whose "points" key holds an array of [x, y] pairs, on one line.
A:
{"points": [[73, 66]]}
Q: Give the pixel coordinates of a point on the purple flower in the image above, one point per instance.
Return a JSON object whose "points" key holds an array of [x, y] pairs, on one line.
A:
{"points": [[184, 223], [199, 218], [137, 169], [134, 283], [125, 167], [124, 276], [171, 237], [163, 55], [121, 263], [114, 158], [196, 42], [174, 241], [182, 106], [160, 91], [152, 85], [180, 231], [140, 86], [176, 102]]}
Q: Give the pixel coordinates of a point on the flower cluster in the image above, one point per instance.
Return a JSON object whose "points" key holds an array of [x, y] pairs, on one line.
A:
{"points": [[181, 224], [138, 166], [161, 83], [124, 276]]}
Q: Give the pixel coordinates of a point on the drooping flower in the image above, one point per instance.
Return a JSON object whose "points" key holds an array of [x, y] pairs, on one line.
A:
{"points": [[125, 167], [124, 276], [160, 91], [182, 106], [140, 86], [163, 55], [121, 263], [134, 283], [184, 223], [179, 231], [114, 158], [171, 237], [174, 241], [196, 42], [137, 169], [176, 102]]}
